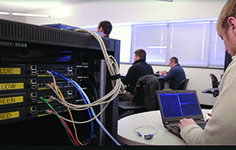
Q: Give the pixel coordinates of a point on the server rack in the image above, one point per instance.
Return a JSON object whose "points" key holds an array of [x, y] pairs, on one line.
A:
{"points": [[26, 52]]}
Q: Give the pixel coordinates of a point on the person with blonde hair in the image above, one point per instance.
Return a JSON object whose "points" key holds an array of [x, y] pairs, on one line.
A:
{"points": [[221, 127]]}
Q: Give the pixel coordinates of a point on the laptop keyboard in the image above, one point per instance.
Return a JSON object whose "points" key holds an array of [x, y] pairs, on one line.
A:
{"points": [[176, 127]]}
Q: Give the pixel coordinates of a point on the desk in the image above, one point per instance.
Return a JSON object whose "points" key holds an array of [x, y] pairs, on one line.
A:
{"points": [[164, 84], [127, 125]]}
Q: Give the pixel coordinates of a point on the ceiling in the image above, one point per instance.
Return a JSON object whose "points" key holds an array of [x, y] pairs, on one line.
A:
{"points": [[33, 5], [30, 6]]}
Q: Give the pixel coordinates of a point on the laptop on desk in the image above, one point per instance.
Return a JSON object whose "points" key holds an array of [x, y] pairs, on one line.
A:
{"points": [[175, 105]]}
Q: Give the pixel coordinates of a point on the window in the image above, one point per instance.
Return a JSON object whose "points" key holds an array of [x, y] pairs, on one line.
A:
{"points": [[195, 43], [190, 43], [151, 38]]}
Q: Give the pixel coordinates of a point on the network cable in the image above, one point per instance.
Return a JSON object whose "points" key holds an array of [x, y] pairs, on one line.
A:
{"points": [[70, 117], [113, 69], [63, 123], [111, 62], [98, 121], [59, 94], [82, 93], [103, 100]]}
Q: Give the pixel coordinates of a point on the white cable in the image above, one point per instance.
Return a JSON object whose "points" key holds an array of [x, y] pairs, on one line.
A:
{"points": [[86, 106], [117, 85], [112, 64], [77, 122], [98, 121]]}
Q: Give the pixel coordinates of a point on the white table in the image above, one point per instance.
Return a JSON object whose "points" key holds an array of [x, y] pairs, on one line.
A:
{"points": [[127, 125]]}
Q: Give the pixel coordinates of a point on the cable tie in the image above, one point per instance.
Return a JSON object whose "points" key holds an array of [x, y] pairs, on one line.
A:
{"points": [[115, 77]]}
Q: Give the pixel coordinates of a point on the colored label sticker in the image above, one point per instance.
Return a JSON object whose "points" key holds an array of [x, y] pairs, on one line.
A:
{"points": [[9, 115], [43, 88], [43, 102], [41, 115], [11, 86], [4, 71], [44, 76], [11, 100]]}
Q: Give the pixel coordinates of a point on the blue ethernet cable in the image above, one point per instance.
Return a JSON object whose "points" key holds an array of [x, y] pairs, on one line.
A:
{"points": [[82, 98], [98, 121], [83, 93]]}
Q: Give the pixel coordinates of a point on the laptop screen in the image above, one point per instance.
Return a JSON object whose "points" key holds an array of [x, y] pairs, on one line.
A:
{"points": [[179, 104]]}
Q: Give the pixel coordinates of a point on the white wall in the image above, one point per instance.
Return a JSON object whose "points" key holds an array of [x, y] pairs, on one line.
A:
{"points": [[199, 80], [91, 13]]}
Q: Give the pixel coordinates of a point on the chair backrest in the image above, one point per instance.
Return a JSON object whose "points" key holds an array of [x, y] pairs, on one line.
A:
{"points": [[145, 91], [214, 80], [183, 84]]}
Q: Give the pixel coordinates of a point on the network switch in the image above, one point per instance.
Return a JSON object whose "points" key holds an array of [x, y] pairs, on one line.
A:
{"points": [[40, 70], [34, 97]]}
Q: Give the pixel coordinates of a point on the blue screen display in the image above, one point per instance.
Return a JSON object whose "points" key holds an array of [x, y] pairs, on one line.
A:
{"points": [[179, 104]]}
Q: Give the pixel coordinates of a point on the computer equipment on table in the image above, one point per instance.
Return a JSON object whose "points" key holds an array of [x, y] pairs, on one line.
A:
{"points": [[178, 104]]}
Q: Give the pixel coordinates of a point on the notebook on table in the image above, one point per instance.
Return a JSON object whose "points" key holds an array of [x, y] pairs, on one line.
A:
{"points": [[175, 105]]}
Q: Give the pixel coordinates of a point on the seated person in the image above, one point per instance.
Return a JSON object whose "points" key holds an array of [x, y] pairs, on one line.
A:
{"points": [[137, 70], [220, 128], [105, 28], [175, 75]]}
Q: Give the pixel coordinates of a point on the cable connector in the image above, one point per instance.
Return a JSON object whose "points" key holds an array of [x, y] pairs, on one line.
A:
{"points": [[52, 98], [48, 112], [48, 72]]}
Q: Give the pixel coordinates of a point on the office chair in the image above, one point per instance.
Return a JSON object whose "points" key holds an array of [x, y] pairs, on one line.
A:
{"points": [[183, 84], [144, 99], [215, 83]]}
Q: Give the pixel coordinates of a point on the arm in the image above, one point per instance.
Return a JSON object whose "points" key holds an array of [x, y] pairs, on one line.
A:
{"points": [[170, 74], [220, 129], [129, 76]]}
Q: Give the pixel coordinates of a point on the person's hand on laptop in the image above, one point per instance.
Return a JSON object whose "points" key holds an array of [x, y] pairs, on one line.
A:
{"points": [[184, 122]]}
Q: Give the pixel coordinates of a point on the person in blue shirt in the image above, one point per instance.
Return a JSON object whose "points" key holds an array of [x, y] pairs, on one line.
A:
{"points": [[175, 75]]}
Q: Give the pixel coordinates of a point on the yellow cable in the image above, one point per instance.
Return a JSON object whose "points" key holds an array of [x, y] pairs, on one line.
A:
{"points": [[70, 116]]}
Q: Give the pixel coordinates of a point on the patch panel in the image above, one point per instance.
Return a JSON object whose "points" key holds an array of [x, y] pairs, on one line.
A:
{"points": [[41, 83]]}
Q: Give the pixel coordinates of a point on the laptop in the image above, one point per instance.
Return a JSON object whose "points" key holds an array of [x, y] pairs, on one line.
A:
{"points": [[177, 104]]}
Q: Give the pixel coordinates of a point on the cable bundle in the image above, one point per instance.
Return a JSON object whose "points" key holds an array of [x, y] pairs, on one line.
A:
{"points": [[118, 87], [84, 97], [111, 62]]}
